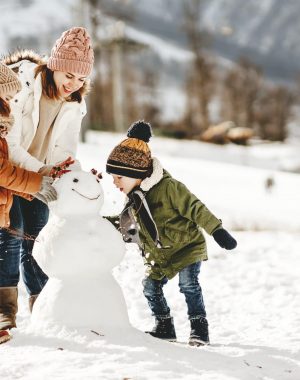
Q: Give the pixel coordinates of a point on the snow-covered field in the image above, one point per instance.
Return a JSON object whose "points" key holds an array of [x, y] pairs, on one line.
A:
{"points": [[251, 294]]}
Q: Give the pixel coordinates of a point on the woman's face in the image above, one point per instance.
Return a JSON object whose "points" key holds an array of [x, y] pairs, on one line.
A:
{"points": [[125, 184], [67, 83]]}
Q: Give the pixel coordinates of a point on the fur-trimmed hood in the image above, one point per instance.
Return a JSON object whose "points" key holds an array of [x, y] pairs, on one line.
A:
{"points": [[155, 177], [6, 123], [12, 59]]}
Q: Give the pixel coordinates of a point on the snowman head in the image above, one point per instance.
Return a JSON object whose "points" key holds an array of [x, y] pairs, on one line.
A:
{"points": [[79, 193]]}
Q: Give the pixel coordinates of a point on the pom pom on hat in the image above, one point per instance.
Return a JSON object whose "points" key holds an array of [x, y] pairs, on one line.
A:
{"points": [[140, 130]]}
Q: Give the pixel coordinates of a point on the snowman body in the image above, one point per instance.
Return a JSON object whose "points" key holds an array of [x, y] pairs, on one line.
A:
{"points": [[78, 249]]}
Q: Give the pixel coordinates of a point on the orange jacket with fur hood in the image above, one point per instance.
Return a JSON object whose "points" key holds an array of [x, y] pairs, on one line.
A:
{"points": [[14, 180]]}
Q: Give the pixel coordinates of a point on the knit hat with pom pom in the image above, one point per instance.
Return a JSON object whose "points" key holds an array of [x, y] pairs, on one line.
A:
{"points": [[132, 157], [72, 52]]}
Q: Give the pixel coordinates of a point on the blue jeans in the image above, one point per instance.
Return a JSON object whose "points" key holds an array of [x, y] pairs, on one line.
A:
{"points": [[188, 285], [15, 252]]}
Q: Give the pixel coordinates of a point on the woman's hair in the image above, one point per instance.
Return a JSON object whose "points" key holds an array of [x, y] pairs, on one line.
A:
{"points": [[4, 107], [50, 89]]}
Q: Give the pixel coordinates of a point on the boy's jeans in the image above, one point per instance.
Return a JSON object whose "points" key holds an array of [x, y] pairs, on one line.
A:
{"points": [[188, 285], [30, 218]]}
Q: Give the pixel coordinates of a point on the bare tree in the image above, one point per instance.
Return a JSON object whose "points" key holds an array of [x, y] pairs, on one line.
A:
{"points": [[150, 108], [241, 87], [107, 102], [96, 96], [200, 79], [273, 111]]}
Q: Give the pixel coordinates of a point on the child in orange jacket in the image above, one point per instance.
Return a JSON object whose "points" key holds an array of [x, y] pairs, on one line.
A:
{"points": [[13, 180]]}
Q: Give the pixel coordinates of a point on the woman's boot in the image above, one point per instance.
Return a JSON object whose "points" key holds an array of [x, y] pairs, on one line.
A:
{"points": [[8, 311]]}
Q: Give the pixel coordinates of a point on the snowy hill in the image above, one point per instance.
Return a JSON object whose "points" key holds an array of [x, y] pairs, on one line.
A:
{"points": [[251, 293], [266, 31]]}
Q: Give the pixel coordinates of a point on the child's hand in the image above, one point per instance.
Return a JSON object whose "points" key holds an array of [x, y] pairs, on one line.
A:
{"points": [[47, 192], [224, 239]]}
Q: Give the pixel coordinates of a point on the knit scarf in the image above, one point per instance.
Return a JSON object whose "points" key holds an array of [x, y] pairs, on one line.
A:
{"points": [[139, 203]]}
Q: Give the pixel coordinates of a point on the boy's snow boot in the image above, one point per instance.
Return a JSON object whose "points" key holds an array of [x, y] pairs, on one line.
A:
{"points": [[31, 301], [164, 329], [199, 332], [8, 311]]}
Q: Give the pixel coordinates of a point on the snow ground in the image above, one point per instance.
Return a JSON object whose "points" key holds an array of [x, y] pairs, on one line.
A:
{"points": [[251, 294]]}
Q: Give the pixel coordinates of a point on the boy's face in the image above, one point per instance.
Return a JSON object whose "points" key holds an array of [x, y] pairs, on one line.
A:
{"points": [[125, 184]]}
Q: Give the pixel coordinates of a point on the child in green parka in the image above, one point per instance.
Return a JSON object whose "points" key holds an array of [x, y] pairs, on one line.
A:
{"points": [[166, 220]]}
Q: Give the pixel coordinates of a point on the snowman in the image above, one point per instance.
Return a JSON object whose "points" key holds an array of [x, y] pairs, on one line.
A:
{"points": [[78, 250]]}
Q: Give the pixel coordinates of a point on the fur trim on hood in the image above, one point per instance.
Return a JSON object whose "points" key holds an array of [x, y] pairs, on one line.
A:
{"points": [[155, 177], [149, 182], [20, 55], [6, 123]]}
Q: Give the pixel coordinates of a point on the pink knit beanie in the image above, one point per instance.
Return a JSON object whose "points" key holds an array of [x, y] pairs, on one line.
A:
{"points": [[72, 52], [8, 81]]}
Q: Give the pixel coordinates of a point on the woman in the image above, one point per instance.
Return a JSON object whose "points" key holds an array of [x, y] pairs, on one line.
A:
{"points": [[13, 180], [48, 112]]}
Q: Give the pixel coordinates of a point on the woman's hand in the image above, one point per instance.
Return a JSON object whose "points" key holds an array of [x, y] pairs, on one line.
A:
{"points": [[45, 170]]}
